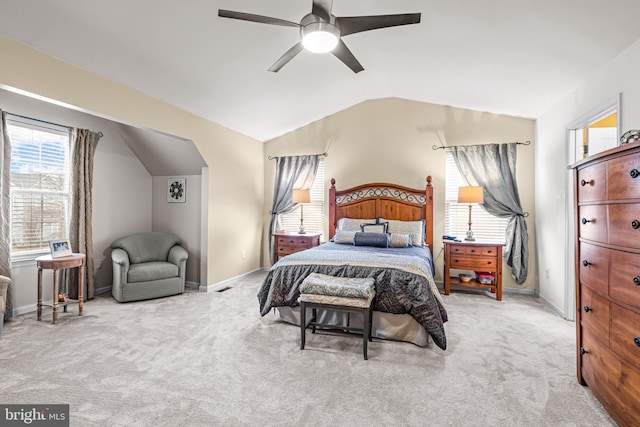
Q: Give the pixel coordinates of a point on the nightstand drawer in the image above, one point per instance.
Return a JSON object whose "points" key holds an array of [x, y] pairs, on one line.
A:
{"points": [[295, 242], [473, 263], [286, 244]]}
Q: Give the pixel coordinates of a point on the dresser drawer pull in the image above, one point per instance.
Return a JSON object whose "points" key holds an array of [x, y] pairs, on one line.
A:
{"points": [[586, 263], [587, 309], [635, 224], [583, 351], [583, 182], [636, 280], [636, 340], [634, 173], [585, 220]]}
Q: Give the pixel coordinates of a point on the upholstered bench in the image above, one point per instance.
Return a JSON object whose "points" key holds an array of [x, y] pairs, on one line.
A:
{"points": [[343, 294]]}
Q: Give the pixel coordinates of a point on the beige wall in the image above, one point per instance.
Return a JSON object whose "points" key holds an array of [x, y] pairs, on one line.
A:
{"points": [[235, 187], [390, 140], [181, 219], [618, 77]]}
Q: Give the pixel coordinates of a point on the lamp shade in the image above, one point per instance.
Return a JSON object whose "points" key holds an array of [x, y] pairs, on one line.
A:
{"points": [[471, 194], [301, 196]]}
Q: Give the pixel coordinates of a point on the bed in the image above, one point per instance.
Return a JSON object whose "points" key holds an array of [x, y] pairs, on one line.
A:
{"points": [[408, 306]]}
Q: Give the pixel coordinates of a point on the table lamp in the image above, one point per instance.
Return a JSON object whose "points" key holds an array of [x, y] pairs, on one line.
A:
{"points": [[470, 195], [301, 196]]}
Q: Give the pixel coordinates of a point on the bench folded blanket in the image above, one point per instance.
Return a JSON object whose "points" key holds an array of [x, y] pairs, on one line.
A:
{"points": [[345, 287]]}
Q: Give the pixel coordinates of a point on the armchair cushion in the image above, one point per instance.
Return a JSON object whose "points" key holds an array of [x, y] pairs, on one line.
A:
{"points": [[146, 271]]}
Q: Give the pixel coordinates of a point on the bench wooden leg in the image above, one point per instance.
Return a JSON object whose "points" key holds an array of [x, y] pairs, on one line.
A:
{"points": [[303, 324], [366, 330]]}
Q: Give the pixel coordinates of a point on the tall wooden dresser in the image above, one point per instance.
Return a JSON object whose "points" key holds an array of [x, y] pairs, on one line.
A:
{"points": [[608, 279]]}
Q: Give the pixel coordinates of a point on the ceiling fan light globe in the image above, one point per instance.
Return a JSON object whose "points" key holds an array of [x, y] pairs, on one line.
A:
{"points": [[320, 37]]}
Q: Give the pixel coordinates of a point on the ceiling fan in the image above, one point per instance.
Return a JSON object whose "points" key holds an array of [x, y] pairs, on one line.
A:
{"points": [[321, 31]]}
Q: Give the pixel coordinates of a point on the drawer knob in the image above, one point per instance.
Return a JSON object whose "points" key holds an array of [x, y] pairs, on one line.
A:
{"points": [[583, 182], [635, 224], [636, 280], [585, 220], [636, 340], [583, 351], [586, 263], [634, 173], [587, 309]]}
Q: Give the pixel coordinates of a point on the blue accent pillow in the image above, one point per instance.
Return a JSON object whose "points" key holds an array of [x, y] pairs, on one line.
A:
{"points": [[379, 240]]}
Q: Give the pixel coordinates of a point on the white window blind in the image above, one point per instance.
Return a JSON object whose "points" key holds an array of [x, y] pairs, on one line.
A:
{"points": [[313, 212], [484, 225], [39, 184]]}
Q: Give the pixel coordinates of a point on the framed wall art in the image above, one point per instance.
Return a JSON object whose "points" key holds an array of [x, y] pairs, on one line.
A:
{"points": [[176, 190]]}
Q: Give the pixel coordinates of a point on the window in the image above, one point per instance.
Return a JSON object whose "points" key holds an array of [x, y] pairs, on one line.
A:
{"points": [[39, 184], [484, 225], [313, 212]]}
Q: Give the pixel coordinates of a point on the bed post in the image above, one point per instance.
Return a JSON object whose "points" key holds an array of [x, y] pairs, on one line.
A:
{"points": [[428, 215], [332, 209]]}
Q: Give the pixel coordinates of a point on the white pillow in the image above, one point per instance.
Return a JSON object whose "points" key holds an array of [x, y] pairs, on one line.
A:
{"points": [[415, 228], [344, 237], [353, 224], [399, 240]]}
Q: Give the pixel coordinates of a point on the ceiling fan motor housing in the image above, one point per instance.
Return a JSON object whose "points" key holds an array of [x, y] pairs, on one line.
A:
{"points": [[317, 35]]}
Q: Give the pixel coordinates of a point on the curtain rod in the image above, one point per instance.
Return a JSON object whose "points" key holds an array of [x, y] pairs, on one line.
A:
{"points": [[44, 121], [438, 147], [321, 154]]}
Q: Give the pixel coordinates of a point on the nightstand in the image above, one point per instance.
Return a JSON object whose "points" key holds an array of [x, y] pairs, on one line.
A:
{"points": [[289, 243], [475, 256]]}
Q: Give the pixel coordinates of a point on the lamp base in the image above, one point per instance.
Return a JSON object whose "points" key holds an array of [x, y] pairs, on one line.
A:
{"points": [[469, 237], [301, 231]]}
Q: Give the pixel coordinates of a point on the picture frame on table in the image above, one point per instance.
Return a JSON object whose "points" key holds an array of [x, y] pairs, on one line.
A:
{"points": [[60, 248]]}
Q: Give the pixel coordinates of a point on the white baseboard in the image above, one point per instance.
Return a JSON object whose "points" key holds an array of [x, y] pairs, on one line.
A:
{"points": [[192, 285], [225, 283], [551, 306]]}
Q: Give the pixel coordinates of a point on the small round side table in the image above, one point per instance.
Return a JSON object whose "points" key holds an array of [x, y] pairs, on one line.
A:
{"points": [[47, 262]]}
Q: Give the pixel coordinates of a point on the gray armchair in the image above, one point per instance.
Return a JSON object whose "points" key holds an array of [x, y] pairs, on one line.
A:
{"points": [[147, 265], [4, 288]]}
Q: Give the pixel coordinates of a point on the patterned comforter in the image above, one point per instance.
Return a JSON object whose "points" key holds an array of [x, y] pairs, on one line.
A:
{"points": [[403, 280]]}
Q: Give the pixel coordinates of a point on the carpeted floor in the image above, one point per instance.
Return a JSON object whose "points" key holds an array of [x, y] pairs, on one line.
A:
{"points": [[209, 359]]}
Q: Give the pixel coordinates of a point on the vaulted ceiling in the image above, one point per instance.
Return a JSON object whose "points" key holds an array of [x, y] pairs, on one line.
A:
{"points": [[503, 56]]}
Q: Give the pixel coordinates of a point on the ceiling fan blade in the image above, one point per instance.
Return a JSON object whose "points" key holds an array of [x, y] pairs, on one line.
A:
{"points": [[322, 8], [356, 24], [288, 56], [343, 53], [255, 18]]}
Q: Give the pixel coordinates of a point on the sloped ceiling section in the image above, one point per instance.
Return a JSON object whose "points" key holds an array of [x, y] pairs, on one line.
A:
{"points": [[162, 155], [509, 57]]}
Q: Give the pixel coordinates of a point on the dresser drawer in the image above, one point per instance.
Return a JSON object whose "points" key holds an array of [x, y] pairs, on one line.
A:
{"points": [[473, 263], [624, 225], [594, 314], [624, 177], [624, 277], [591, 183], [625, 334], [601, 369], [594, 267], [593, 223]]}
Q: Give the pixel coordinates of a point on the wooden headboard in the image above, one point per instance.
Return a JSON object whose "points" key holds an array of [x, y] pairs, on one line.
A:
{"points": [[381, 199]]}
